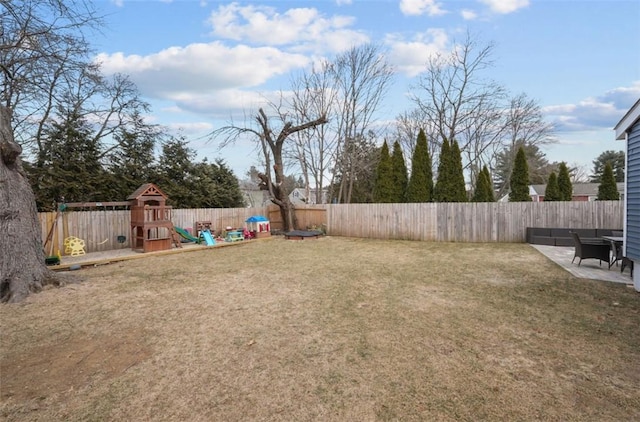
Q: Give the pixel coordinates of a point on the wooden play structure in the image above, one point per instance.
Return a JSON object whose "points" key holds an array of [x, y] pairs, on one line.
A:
{"points": [[151, 226]]}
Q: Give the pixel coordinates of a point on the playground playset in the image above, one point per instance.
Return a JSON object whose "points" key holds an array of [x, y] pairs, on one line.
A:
{"points": [[152, 228]]}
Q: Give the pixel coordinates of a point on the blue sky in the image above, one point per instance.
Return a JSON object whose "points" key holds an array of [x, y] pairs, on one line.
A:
{"points": [[200, 62]]}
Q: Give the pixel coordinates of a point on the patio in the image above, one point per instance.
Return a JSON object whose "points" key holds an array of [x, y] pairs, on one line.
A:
{"points": [[590, 268]]}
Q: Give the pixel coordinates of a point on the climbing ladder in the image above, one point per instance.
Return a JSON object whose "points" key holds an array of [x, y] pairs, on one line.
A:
{"points": [[175, 237]]}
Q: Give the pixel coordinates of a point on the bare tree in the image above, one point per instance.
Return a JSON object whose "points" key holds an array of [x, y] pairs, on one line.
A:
{"points": [[456, 102], [451, 92], [363, 77], [35, 34], [578, 173], [272, 146], [524, 125], [314, 94]]}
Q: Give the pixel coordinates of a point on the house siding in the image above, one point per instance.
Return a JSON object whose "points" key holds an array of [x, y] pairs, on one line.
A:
{"points": [[633, 193]]}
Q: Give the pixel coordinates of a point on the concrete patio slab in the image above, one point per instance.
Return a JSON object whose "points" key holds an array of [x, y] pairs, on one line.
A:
{"points": [[589, 268]]}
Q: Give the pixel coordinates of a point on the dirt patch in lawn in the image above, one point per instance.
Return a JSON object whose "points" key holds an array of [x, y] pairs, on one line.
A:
{"points": [[70, 364], [333, 329]]}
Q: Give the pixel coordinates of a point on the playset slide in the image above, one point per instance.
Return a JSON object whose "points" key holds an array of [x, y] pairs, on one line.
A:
{"points": [[208, 238], [185, 235]]}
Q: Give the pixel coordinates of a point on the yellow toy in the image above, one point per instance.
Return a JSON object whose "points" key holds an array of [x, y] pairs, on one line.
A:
{"points": [[74, 246]]}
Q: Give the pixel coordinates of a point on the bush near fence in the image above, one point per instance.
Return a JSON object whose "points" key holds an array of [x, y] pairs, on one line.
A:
{"points": [[439, 222]]}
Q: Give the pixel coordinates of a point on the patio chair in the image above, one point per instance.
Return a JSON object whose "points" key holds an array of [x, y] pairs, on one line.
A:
{"points": [[616, 252], [627, 262], [617, 233], [590, 250]]}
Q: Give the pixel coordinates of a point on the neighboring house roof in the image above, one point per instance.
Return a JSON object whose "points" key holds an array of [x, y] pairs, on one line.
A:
{"points": [[628, 121], [537, 189], [579, 189]]}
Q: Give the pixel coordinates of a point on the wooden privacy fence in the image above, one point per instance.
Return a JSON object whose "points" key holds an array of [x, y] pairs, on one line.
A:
{"points": [[308, 216], [108, 230], [468, 222], [441, 222]]}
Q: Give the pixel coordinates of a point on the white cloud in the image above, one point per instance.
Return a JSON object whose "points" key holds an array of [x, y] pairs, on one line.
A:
{"points": [[118, 3], [223, 104], [201, 68], [191, 128], [468, 15], [301, 29], [411, 56], [505, 6], [421, 7], [601, 112], [343, 2]]}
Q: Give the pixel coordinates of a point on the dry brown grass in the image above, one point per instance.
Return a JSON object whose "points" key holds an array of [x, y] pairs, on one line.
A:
{"points": [[329, 329]]}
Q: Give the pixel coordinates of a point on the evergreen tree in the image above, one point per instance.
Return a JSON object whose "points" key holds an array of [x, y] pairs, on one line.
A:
{"points": [[399, 171], [490, 193], [420, 188], [384, 189], [215, 186], [458, 186], [564, 183], [552, 192], [132, 164], [538, 167], [617, 160], [68, 167], [519, 180], [450, 186], [443, 182], [484, 187], [175, 170], [608, 190]]}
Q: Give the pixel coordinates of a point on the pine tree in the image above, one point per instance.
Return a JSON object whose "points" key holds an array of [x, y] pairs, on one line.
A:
{"points": [[420, 188], [174, 174], [608, 190], [458, 186], [216, 186], [399, 171], [484, 188], [490, 194], [564, 183], [443, 182], [519, 180], [68, 167], [552, 191], [132, 164], [383, 190]]}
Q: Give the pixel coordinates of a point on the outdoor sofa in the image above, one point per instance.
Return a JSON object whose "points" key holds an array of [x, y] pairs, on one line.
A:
{"points": [[562, 236]]}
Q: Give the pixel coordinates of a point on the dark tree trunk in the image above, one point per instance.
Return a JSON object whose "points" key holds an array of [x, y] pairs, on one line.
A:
{"points": [[276, 192], [287, 210], [23, 269]]}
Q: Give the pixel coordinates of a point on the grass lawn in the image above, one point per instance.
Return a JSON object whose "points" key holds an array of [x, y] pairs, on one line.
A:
{"points": [[332, 329]]}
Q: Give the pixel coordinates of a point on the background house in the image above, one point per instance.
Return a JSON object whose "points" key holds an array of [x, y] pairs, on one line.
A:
{"points": [[581, 192], [253, 196], [299, 196], [628, 129]]}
